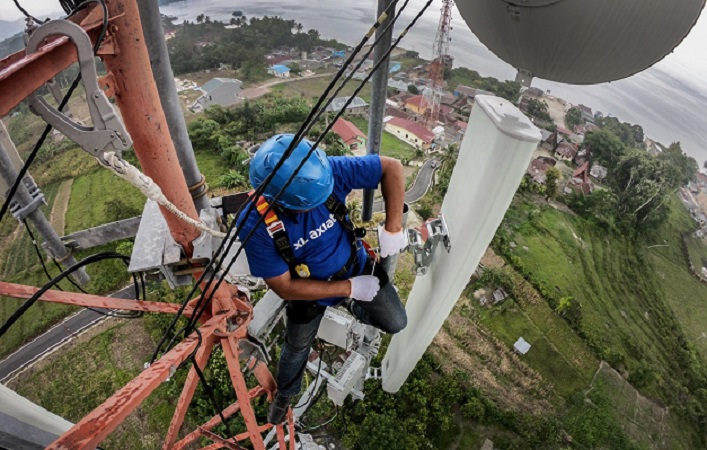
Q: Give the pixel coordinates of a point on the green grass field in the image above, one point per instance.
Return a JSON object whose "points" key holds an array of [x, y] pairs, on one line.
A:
{"points": [[636, 301], [85, 375], [100, 197], [390, 145], [314, 87]]}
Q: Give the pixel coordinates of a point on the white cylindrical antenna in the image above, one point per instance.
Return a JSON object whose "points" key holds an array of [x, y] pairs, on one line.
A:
{"points": [[493, 157]]}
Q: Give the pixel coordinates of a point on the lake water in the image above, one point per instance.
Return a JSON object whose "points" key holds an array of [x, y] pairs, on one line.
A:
{"points": [[669, 100]]}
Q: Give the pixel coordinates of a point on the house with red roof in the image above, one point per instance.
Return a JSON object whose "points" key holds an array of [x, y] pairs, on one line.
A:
{"points": [[414, 133], [566, 151], [416, 104], [353, 138]]}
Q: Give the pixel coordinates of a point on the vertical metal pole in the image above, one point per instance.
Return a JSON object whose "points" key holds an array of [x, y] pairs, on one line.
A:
{"points": [[138, 99], [379, 92], [164, 78], [24, 198]]}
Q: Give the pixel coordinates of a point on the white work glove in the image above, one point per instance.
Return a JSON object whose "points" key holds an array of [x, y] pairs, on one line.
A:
{"points": [[391, 243], [364, 287]]}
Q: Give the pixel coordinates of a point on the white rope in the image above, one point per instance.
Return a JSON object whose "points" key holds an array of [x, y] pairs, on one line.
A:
{"points": [[150, 189]]}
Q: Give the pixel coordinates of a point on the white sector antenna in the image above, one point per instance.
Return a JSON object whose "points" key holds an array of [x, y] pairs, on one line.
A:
{"points": [[493, 157]]}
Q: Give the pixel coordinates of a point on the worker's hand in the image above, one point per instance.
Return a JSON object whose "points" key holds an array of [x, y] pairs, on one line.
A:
{"points": [[364, 287], [391, 243]]}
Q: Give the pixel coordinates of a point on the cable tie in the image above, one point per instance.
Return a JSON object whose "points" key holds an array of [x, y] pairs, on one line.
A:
{"points": [[383, 17], [65, 257]]}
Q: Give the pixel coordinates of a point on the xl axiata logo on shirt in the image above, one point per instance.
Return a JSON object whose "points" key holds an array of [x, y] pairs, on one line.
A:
{"points": [[314, 234]]}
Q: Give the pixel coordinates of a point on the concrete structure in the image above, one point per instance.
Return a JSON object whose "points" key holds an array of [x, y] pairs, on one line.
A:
{"points": [[218, 91], [521, 346], [25, 425], [353, 138], [279, 71], [414, 133]]}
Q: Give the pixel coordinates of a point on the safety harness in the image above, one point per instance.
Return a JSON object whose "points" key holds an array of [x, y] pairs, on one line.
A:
{"points": [[276, 230]]}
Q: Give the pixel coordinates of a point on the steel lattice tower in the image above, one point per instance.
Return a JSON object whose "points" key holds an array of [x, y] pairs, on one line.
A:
{"points": [[440, 61]]}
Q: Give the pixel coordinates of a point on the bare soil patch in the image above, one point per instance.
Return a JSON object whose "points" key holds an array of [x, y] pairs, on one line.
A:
{"points": [[57, 218]]}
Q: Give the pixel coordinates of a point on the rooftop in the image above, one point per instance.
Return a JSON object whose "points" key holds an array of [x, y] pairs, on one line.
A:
{"points": [[347, 131], [415, 128], [279, 68], [338, 103]]}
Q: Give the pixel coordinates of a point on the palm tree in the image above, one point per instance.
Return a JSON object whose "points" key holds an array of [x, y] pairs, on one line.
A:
{"points": [[299, 27]]}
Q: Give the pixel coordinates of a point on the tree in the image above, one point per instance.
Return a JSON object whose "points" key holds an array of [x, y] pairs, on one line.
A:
{"points": [[540, 109], [413, 89], [606, 148], [294, 68], [686, 167], [642, 184], [335, 146], [573, 117], [200, 18], [553, 176]]}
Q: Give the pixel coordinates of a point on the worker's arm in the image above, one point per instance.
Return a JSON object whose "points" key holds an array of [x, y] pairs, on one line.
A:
{"points": [[393, 189], [290, 288]]}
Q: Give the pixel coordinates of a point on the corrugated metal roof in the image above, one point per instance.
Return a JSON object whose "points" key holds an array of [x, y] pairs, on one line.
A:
{"points": [[338, 103]]}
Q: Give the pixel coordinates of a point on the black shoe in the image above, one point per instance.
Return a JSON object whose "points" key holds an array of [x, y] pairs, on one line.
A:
{"points": [[278, 409]]}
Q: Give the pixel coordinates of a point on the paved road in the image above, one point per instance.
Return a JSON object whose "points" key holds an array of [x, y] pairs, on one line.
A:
{"points": [[55, 337], [419, 187]]}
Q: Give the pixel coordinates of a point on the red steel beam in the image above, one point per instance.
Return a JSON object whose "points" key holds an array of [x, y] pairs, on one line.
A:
{"points": [[216, 420], [202, 356], [231, 350], [100, 422], [139, 102], [89, 300]]}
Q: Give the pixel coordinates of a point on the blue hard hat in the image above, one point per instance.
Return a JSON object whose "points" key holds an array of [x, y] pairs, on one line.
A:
{"points": [[311, 186]]}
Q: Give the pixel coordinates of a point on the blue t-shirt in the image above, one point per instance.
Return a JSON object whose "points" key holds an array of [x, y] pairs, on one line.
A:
{"points": [[316, 237]]}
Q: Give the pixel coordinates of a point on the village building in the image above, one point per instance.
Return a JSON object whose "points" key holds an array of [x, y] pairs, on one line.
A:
{"points": [[580, 181], [273, 59], [465, 91], [356, 107], [400, 85], [414, 133], [564, 132], [279, 71], [537, 170], [598, 172], [565, 151], [535, 92], [218, 91], [582, 156], [395, 66], [416, 104], [551, 142], [353, 138], [587, 114]]}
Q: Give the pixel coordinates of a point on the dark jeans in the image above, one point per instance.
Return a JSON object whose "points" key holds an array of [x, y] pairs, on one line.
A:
{"points": [[384, 312]]}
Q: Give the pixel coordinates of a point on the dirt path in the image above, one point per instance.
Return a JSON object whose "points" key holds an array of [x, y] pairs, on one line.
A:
{"points": [[260, 90], [61, 203], [8, 264]]}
